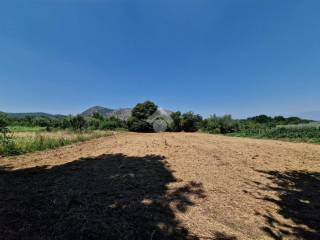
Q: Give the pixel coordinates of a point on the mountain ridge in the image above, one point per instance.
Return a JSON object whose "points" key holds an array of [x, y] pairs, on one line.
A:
{"points": [[121, 113], [32, 114], [125, 113]]}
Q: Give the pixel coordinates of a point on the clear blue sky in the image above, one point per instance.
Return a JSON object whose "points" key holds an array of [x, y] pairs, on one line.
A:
{"points": [[209, 56]]}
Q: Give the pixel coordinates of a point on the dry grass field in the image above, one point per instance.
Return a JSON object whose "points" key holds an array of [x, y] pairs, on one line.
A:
{"points": [[163, 186]]}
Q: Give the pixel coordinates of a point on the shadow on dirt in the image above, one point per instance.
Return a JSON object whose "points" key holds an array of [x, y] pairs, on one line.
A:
{"points": [[106, 197], [299, 201]]}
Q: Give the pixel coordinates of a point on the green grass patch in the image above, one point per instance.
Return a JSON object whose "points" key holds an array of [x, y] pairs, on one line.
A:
{"points": [[42, 141], [297, 133], [25, 129]]}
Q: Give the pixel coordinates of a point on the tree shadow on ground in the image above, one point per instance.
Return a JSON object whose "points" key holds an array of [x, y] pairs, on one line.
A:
{"points": [[107, 197], [298, 201]]}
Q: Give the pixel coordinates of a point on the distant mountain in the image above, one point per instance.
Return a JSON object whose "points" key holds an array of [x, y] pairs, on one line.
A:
{"points": [[96, 109], [312, 115], [33, 114], [121, 113]]}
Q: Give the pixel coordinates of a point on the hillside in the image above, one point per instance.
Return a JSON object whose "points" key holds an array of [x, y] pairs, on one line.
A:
{"points": [[121, 113], [32, 114], [96, 109]]}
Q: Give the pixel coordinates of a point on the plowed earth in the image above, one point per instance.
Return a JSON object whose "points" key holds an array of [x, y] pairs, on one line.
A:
{"points": [[163, 186]]}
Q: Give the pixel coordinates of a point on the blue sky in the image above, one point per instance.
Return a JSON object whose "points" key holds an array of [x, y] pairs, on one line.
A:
{"points": [[209, 56]]}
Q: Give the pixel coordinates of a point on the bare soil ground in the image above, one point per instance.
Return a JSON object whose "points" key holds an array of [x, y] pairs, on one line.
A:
{"points": [[163, 186]]}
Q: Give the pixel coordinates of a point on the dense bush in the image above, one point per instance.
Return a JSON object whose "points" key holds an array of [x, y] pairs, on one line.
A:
{"points": [[223, 125], [139, 125], [176, 125], [144, 110], [140, 114], [97, 116], [264, 121], [78, 123], [4, 122], [300, 132], [112, 123], [191, 122]]}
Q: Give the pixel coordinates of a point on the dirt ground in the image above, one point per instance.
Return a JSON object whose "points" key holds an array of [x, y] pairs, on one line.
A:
{"points": [[163, 186]]}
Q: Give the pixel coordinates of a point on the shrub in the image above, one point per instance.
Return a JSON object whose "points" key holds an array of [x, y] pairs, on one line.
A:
{"points": [[224, 124], [176, 125], [140, 113], [94, 123], [113, 123], [139, 125], [144, 110], [78, 123], [4, 130], [98, 116], [190, 122]]}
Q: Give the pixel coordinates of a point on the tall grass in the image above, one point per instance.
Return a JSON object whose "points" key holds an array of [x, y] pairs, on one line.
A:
{"points": [[25, 129], [22, 143]]}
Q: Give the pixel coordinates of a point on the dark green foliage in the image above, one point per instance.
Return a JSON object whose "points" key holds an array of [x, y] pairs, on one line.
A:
{"points": [[222, 125], [6, 143], [4, 122], [140, 113], [176, 125], [65, 123], [94, 123], [4, 130], [78, 123], [280, 119], [98, 116], [263, 119], [296, 120], [191, 122], [112, 123], [301, 133], [43, 122], [139, 125], [140, 121], [144, 110]]}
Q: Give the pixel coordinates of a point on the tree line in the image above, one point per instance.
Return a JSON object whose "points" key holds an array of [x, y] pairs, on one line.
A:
{"points": [[139, 122]]}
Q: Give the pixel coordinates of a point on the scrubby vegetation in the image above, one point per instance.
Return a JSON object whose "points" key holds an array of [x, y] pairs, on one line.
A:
{"points": [[29, 134], [299, 132], [69, 129], [31, 142], [223, 125], [138, 122], [187, 122]]}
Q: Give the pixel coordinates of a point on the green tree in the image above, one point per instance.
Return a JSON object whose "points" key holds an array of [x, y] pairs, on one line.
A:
{"points": [[176, 125], [98, 116], [78, 123], [144, 110], [262, 119], [191, 122], [140, 113], [4, 130], [43, 122], [4, 121], [113, 123], [139, 125]]}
